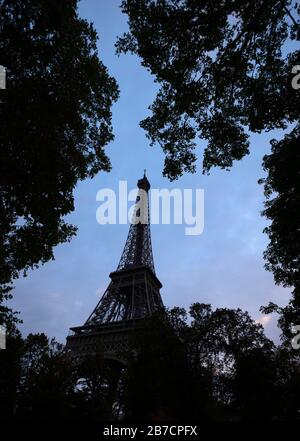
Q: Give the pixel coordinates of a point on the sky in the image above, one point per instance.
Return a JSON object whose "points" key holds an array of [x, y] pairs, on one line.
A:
{"points": [[223, 266]]}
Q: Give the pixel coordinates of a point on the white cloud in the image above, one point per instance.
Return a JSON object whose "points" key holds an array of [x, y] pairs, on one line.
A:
{"points": [[264, 320]]}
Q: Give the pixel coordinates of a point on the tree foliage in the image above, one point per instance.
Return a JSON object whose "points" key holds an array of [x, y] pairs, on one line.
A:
{"points": [[208, 365], [282, 189], [221, 69], [55, 119], [45, 387], [203, 365], [282, 208]]}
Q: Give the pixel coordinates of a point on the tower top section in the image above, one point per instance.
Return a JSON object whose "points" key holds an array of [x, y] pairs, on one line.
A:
{"points": [[143, 183], [138, 248]]}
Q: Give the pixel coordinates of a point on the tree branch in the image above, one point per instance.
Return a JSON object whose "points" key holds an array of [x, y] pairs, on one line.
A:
{"points": [[291, 17]]}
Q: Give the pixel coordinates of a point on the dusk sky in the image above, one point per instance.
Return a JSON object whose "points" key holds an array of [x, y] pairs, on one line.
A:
{"points": [[223, 266]]}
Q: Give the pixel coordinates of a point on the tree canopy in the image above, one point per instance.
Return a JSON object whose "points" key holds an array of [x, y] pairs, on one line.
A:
{"points": [[205, 364], [55, 120], [222, 69], [282, 208]]}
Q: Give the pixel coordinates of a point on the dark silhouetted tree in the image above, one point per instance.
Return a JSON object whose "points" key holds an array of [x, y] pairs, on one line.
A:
{"points": [[10, 371], [96, 391], [157, 382], [282, 208], [218, 342], [206, 365], [46, 386], [221, 69], [55, 120]]}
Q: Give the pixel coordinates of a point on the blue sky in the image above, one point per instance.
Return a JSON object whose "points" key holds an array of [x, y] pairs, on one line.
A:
{"points": [[223, 266]]}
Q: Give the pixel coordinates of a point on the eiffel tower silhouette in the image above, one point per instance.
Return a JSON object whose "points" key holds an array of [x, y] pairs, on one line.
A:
{"points": [[132, 295]]}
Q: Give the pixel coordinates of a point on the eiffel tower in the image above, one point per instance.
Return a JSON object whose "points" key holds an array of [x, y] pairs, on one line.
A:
{"points": [[132, 294]]}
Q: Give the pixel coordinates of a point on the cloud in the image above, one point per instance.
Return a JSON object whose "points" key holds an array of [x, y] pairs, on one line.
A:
{"points": [[264, 320]]}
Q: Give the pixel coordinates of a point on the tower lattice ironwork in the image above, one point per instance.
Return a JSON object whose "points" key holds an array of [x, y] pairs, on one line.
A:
{"points": [[132, 294]]}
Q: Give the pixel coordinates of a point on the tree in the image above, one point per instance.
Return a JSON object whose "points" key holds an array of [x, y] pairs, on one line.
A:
{"points": [[222, 342], [40, 380], [96, 390], [10, 371], [205, 365], [226, 69], [8, 317], [55, 117], [283, 181], [283, 210], [255, 391], [221, 70], [46, 383], [156, 382]]}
